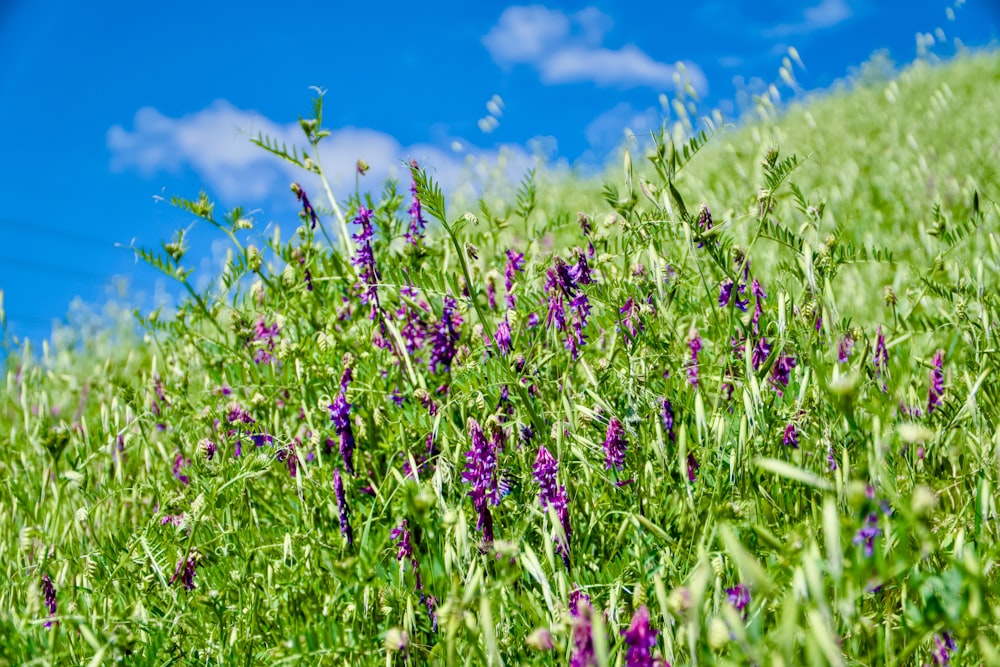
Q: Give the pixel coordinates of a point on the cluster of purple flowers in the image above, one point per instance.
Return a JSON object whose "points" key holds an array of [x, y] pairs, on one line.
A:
{"points": [[563, 283], [414, 329], [49, 591], [758, 308], [502, 337], [342, 509], [944, 646], [667, 415], [640, 640], [179, 464], [185, 570], [936, 391], [791, 436], [739, 597], [364, 259], [615, 445], [551, 493], [266, 337], [340, 415], [694, 344], [514, 264], [781, 373], [404, 551], [583, 639], [704, 222], [726, 290], [417, 222], [867, 533], [844, 348], [308, 212], [444, 336], [481, 473]]}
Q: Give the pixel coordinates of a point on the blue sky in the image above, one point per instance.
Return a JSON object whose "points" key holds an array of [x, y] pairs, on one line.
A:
{"points": [[105, 106]]}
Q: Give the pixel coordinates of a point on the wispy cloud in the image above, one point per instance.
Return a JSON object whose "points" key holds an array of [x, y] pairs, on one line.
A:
{"points": [[826, 14], [569, 49], [610, 129], [215, 143]]}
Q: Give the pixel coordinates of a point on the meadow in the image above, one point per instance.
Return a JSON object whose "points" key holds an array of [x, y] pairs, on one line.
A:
{"points": [[735, 403]]}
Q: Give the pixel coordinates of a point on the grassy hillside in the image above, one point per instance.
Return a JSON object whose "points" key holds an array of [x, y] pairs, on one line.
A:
{"points": [[595, 425]]}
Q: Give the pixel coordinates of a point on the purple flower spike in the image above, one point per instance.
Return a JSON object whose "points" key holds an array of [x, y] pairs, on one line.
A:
{"points": [[185, 571], [667, 414], [739, 597], [444, 336], [758, 308], [867, 533], [49, 591], [342, 509], [417, 222], [844, 348], [725, 293], [551, 493], [583, 639], [614, 445], [936, 390], [502, 337], [481, 474], [944, 646], [791, 437], [308, 212], [695, 345], [179, 464], [364, 259], [640, 640], [340, 415]]}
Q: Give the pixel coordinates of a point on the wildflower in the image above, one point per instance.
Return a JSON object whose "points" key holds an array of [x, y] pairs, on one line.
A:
{"points": [[49, 591], [693, 467], [540, 639], [667, 414], [552, 494], [758, 308], [444, 336], [704, 222], [725, 292], [583, 639], [944, 646], [640, 640], [936, 390], [614, 445], [267, 337], [404, 544], [588, 230], [791, 436], [781, 372], [179, 464], [831, 460], [417, 222], [308, 212], [881, 359], [562, 282], [844, 348], [342, 509], [185, 570], [739, 597], [364, 259], [694, 343], [480, 473], [633, 326], [210, 449], [340, 415], [867, 533], [581, 270], [502, 337], [515, 263]]}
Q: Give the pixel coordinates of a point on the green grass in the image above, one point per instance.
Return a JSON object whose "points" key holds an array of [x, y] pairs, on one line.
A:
{"points": [[871, 209]]}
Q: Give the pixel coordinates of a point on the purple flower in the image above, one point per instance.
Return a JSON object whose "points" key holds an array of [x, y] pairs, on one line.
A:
{"points": [[881, 359], [364, 259], [404, 545], [781, 372], [725, 292], [502, 337], [340, 415], [944, 646], [614, 445], [444, 336], [581, 270], [583, 639], [480, 473], [185, 571], [49, 591], [210, 449], [179, 464], [667, 414], [867, 533], [267, 336], [308, 212], [550, 493], [633, 325], [417, 222], [640, 640], [694, 343], [739, 597], [758, 308], [515, 263], [831, 460], [693, 467], [342, 509], [791, 437], [704, 221], [936, 390], [562, 282], [844, 348]]}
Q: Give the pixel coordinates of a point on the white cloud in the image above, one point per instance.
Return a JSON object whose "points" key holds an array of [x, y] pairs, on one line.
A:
{"points": [[215, 144], [826, 14], [568, 49]]}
